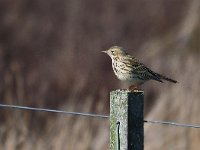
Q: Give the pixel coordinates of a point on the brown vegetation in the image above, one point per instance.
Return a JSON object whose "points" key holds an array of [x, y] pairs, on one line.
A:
{"points": [[50, 58]]}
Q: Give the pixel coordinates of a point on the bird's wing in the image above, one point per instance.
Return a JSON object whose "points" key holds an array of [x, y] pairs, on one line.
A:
{"points": [[141, 70]]}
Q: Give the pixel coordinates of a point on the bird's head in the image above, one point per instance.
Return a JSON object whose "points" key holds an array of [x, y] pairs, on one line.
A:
{"points": [[115, 51]]}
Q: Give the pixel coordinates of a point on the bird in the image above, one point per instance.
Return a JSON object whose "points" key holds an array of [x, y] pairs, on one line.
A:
{"points": [[128, 68]]}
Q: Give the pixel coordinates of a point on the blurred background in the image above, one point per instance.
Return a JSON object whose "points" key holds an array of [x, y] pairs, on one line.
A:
{"points": [[50, 58]]}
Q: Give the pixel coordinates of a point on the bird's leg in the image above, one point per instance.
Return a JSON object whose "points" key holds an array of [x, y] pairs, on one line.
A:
{"points": [[134, 88]]}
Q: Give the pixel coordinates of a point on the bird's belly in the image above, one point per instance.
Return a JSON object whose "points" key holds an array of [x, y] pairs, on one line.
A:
{"points": [[129, 78], [125, 74]]}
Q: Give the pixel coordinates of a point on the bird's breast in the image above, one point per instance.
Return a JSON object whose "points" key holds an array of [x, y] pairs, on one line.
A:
{"points": [[125, 73]]}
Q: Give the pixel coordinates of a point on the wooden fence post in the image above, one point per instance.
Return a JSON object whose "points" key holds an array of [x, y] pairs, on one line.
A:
{"points": [[126, 120]]}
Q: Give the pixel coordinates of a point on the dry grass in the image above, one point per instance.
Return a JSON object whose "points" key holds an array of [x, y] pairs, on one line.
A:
{"points": [[50, 57]]}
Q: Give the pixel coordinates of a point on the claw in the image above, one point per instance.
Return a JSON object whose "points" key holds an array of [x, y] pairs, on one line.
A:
{"points": [[134, 88]]}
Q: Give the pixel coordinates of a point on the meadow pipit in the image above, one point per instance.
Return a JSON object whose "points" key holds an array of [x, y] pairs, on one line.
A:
{"points": [[128, 68]]}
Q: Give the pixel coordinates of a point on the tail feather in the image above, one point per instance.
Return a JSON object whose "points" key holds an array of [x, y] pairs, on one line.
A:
{"points": [[159, 77], [168, 79]]}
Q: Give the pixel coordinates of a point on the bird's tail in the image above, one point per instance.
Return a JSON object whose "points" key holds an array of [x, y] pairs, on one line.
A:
{"points": [[159, 77], [168, 79]]}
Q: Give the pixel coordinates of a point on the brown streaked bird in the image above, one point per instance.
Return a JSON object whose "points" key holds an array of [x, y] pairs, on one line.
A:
{"points": [[128, 68]]}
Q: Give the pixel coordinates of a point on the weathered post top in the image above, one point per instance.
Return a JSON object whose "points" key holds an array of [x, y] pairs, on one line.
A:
{"points": [[126, 120]]}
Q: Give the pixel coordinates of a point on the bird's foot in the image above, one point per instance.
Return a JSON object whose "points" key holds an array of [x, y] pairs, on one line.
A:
{"points": [[134, 88]]}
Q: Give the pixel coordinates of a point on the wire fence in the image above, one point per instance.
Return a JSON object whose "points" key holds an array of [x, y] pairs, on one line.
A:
{"points": [[53, 111], [93, 115]]}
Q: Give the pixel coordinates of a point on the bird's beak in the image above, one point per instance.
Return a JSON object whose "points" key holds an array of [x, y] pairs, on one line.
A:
{"points": [[104, 52]]}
